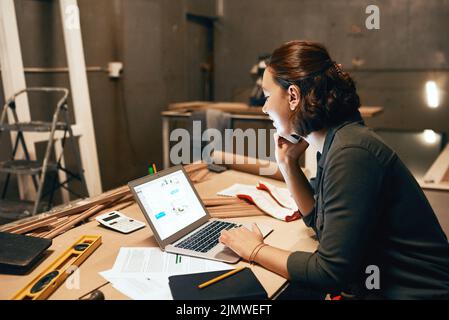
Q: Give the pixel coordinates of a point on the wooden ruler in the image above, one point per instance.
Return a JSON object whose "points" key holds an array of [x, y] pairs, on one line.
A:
{"points": [[56, 273]]}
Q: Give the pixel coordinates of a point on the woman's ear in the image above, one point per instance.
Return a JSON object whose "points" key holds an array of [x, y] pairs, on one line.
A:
{"points": [[294, 97]]}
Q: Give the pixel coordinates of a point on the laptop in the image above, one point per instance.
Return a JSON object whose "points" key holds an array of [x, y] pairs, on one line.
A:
{"points": [[178, 218]]}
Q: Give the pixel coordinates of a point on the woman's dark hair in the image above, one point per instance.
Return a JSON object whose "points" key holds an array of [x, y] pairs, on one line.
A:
{"points": [[328, 94]]}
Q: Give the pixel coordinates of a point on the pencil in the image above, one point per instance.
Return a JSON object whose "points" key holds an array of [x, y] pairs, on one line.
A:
{"points": [[223, 276], [154, 168]]}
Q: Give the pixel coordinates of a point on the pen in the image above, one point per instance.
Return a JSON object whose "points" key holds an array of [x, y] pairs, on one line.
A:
{"points": [[223, 276]]}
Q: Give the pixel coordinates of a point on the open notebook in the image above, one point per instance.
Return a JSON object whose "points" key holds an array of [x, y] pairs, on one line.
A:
{"points": [[275, 201]]}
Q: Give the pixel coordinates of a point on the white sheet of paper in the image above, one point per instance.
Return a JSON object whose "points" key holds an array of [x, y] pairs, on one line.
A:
{"points": [[140, 287], [142, 273], [144, 288], [154, 260]]}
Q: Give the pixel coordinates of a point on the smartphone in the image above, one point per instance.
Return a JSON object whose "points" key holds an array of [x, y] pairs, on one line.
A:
{"points": [[293, 138]]}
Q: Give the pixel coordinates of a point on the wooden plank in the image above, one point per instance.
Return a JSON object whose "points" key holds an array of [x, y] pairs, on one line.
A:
{"points": [[72, 222], [29, 228], [236, 214], [231, 207], [121, 194], [244, 109], [80, 95], [230, 107], [122, 205], [85, 216], [59, 222], [210, 202], [87, 203], [188, 105], [15, 226]]}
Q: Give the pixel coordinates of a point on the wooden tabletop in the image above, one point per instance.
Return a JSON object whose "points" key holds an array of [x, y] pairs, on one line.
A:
{"points": [[245, 112], [290, 236]]}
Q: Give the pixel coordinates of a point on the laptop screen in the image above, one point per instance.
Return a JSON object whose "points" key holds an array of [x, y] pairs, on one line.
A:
{"points": [[170, 203]]}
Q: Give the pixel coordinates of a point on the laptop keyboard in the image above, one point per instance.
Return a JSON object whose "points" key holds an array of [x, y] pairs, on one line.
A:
{"points": [[206, 238]]}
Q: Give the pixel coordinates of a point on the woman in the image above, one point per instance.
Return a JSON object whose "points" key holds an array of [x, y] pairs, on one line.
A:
{"points": [[367, 210]]}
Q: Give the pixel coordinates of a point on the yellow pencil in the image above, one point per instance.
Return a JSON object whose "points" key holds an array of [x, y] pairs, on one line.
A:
{"points": [[154, 168], [223, 276]]}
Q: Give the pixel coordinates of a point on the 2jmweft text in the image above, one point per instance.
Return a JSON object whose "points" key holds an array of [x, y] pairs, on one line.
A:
{"points": [[225, 310]]}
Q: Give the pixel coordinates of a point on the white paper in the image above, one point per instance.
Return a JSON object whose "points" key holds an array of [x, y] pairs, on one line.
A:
{"points": [[140, 286], [143, 288], [142, 273], [154, 260]]}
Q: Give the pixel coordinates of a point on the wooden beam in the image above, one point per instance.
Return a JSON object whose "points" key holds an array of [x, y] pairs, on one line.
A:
{"points": [[80, 94]]}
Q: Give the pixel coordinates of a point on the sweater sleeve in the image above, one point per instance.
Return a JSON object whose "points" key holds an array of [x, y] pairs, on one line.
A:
{"points": [[351, 187], [308, 219]]}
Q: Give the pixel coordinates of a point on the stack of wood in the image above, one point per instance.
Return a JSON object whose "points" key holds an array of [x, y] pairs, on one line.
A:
{"points": [[61, 219], [227, 207], [220, 207]]}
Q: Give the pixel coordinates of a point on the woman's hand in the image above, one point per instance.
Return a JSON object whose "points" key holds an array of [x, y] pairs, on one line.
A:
{"points": [[241, 240], [287, 152]]}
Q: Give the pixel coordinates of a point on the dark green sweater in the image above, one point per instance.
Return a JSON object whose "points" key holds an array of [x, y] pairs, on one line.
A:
{"points": [[369, 210]]}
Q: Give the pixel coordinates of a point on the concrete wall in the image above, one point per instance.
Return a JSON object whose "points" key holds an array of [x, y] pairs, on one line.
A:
{"points": [[410, 48]]}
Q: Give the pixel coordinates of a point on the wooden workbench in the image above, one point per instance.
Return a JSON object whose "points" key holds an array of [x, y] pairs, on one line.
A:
{"points": [[290, 236]]}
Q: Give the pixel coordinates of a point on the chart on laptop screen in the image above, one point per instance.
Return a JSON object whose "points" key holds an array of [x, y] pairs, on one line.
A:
{"points": [[170, 203]]}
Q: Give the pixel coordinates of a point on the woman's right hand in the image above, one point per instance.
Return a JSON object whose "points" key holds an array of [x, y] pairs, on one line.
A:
{"points": [[288, 153]]}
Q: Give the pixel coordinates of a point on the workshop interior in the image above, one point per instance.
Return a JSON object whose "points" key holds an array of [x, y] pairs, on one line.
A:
{"points": [[145, 151]]}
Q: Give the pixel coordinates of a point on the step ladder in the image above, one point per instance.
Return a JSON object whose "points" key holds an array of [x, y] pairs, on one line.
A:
{"points": [[38, 169]]}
